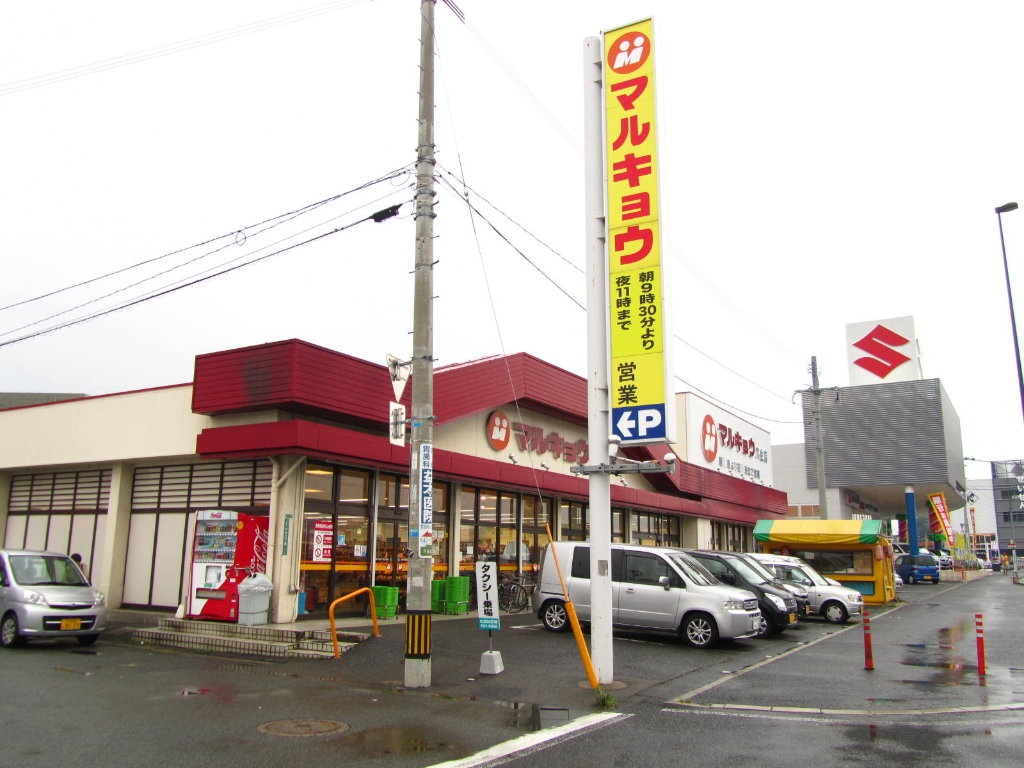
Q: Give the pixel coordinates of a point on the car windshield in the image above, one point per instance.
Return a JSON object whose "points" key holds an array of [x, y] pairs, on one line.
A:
{"points": [[813, 575], [692, 570], [766, 573], [747, 572], [46, 570]]}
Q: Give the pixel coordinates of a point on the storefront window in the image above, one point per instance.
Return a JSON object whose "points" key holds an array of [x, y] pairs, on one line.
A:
{"points": [[618, 530], [575, 526], [335, 538], [319, 482], [467, 527]]}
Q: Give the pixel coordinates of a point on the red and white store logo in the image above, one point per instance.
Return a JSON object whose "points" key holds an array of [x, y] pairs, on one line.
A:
{"points": [[713, 436], [498, 431], [534, 439], [709, 439], [879, 344], [629, 52]]}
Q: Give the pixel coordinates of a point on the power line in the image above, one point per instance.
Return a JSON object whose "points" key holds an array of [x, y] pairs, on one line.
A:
{"points": [[192, 261], [377, 217], [503, 213], [500, 234], [279, 219], [166, 50]]}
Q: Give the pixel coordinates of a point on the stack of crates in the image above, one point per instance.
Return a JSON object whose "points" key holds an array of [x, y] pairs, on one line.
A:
{"points": [[456, 594], [437, 595], [386, 601]]}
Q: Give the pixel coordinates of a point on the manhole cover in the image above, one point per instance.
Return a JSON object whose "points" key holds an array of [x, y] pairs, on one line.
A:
{"points": [[302, 727]]}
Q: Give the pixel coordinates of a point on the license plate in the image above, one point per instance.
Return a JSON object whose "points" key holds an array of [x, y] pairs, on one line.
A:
{"points": [[70, 624], [792, 618]]}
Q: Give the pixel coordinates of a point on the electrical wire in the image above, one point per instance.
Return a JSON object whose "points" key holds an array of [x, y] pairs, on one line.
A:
{"points": [[500, 234], [166, 50], [197, 274], [468, 188], [132, 303], [280, 219]]}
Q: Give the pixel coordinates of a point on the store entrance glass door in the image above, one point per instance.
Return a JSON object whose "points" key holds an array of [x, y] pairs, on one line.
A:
{"points": [[392, 546]]}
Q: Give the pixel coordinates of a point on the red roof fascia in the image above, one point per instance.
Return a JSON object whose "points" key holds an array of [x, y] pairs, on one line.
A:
{"points": [[708, 484], [294, 376], [469, 388], [304, 378], [322, 441]]}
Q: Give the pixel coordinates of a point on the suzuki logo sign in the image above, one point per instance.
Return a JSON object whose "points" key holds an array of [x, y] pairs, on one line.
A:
{"points": [[880, 343], [891, 351]]}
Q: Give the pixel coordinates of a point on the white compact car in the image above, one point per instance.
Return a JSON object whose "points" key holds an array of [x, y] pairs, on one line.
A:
{"points": [[831, 601], [44, 595]]}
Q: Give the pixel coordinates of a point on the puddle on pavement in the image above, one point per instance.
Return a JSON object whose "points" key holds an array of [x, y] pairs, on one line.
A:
{"points": [[537, 717], [399, 740]]}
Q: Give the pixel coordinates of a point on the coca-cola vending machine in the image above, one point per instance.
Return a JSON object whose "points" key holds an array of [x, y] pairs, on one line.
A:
{"points": [[228, 546]]}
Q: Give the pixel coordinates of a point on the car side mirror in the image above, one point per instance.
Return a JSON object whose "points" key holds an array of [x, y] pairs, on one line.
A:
{"points": [[664, 581]]}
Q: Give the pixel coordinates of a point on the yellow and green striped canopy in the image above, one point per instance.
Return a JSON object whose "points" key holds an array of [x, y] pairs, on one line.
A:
{"points": [[819, 531]]}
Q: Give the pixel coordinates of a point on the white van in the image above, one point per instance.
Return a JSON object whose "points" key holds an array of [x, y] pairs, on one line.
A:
{"points": [[653, 588], [829, 600]]}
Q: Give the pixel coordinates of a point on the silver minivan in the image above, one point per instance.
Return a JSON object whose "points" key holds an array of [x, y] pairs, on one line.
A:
{"points": [[831, 601], [44, 594], [653, 588]]}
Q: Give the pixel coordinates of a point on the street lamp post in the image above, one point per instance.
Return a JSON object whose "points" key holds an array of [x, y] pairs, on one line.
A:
{"points": [[1009, 295], [1006, 208]]}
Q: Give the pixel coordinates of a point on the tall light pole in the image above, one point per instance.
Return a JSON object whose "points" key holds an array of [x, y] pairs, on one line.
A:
{"points": [[1006, 208], [1009, 295]]}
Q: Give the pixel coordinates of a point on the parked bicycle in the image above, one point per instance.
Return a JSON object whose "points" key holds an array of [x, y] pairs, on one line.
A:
{"points": [[512, 596]]}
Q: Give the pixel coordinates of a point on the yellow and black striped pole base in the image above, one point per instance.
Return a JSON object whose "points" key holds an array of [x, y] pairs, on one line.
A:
{"points": [[417, 634]]}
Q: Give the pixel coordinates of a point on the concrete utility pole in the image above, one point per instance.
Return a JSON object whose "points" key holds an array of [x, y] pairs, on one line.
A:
{"points": [[421, 503], [819, 444]]}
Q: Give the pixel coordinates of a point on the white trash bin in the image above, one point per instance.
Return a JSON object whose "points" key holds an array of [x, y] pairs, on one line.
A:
{"points": [[254, 599]]}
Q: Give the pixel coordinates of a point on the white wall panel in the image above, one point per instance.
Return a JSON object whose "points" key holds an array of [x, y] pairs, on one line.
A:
{"points": [[59, 534], [35, 538], [139, 564], [98, 566], [168, 560], [14, 537]]}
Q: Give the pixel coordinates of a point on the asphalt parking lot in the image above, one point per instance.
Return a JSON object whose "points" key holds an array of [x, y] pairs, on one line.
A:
{"points": [[130, 703]]}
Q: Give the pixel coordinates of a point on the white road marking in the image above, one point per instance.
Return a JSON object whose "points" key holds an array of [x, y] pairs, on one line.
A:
{"points": [[534, 742]]}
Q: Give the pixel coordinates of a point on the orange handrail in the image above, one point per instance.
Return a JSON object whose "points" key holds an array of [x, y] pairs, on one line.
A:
{"points": [[349, 596]]}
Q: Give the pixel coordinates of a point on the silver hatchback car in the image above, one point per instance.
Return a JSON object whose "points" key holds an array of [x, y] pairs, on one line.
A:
{"points": [[44, 594]]}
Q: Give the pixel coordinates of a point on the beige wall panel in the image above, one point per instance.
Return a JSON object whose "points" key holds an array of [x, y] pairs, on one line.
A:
{"points": [[35, 538], [168, 560], [59, 534], [140, 559], [15, 533]]}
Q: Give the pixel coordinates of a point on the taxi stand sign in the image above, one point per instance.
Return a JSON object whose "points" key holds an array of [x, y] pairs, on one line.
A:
{"points": [[643, 405], [487, 595]]}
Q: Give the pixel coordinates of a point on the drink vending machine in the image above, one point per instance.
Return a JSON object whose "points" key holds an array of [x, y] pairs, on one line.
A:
{"points": [[228, 546]]}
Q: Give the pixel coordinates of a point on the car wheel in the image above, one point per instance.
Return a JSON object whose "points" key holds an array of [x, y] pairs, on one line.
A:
{"points": [[764, 626], [910, 579], [835, 613], [699, 630], [555, 617], [87, 639], [9, 637]]}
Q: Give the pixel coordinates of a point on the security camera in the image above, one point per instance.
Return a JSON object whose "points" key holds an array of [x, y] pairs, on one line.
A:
{"points": [[670, 458]]}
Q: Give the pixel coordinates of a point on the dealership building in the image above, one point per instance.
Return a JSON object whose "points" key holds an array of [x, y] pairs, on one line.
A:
{"points": [[302, 435], [890, 431]]}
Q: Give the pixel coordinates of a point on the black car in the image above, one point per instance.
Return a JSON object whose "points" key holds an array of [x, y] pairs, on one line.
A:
{"points": [[778, 605]]}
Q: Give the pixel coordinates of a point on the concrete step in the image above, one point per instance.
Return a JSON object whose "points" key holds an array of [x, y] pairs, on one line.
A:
{"points": [[266, 640]]}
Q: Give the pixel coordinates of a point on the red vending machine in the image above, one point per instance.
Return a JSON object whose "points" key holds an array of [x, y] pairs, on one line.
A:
{"points": [[228, 546]]}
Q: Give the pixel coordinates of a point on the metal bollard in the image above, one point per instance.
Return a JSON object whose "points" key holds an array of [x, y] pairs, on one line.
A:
{"points": [[981, 643], [869, 661]]}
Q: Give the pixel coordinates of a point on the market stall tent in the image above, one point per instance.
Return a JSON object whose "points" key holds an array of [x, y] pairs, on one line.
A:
{"points": [[856, 553]]}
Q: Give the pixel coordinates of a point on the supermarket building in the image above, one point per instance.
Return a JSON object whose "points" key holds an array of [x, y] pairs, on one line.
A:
{"points": [[301, 433]]}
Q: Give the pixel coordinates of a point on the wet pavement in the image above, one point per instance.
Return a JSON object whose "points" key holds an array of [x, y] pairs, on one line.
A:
{"points": [[118, 704]]}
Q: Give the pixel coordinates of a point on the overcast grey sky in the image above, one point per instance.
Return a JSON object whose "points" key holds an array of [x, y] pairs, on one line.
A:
{"points": [[824, 164]]}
